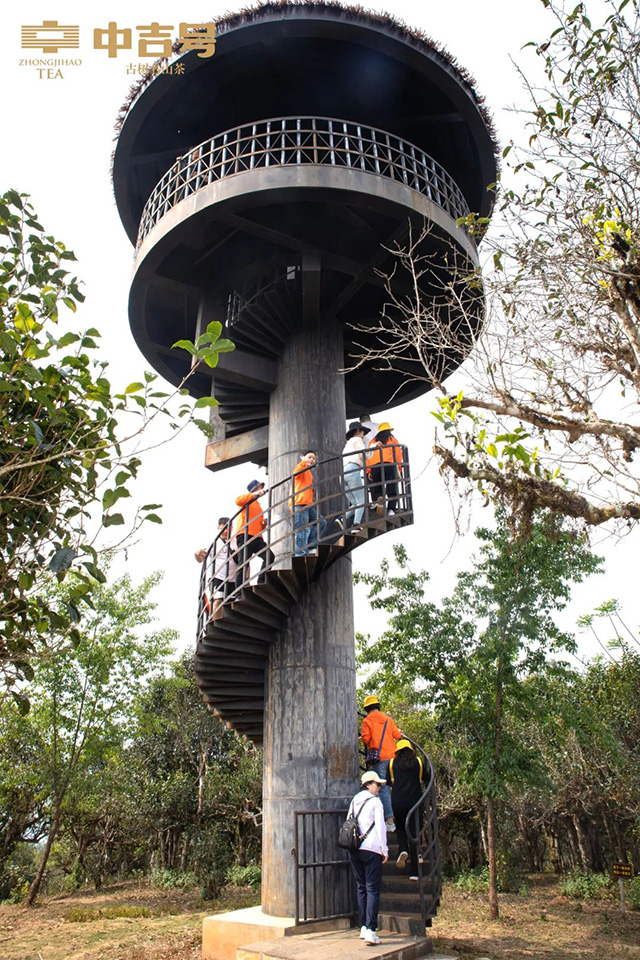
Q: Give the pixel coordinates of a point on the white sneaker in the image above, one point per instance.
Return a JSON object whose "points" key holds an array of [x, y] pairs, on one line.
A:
{"points": [[391, 825], [402, 860], [372, 938], [413, 878], [363, 933]]}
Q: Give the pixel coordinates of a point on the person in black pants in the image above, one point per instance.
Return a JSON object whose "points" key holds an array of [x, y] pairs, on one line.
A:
{"points": [[406, 774], [367, 860]]}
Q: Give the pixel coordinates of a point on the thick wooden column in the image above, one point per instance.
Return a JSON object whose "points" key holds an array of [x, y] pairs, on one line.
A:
{"points": [[310, 760]]}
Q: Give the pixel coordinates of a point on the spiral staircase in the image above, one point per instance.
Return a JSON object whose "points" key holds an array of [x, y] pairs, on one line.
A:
{"points": [[234, 635]]}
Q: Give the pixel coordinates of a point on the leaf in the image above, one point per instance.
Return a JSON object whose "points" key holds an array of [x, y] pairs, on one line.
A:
{"points": [[153, 517], [62, 559], [224, 346], [114, 520], [184, 345], [214, 329], [134, 387], [95, 572], [206, 402]]}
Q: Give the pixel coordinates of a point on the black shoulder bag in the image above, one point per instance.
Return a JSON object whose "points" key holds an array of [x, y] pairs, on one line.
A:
{"points": [[349, 837]]}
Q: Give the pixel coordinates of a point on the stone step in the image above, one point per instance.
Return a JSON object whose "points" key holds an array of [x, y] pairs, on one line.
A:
{"points": [[344, 945], [405, 924], [402, 902]]}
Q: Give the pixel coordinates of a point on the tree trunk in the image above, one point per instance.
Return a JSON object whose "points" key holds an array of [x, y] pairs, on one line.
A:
{"points": [[622, 853], [473, 852], [483, 837], [493, 875], [583, 843], [53, 832]]}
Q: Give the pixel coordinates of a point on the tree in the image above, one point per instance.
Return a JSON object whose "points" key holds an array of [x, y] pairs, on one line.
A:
{"points": [[561, 361], [82, 700], [67, 459], [199, 783], [544, 413], [485, 657]]}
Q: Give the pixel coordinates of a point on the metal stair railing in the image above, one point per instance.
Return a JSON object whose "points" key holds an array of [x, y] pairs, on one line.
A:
{"points": [[229, 565], [299, 141], [424, 814]]}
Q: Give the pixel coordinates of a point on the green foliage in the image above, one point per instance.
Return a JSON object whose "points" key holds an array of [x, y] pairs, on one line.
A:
{"points": [[174, 879], [588, 886], [476, 880], [67, 460], [632, 892], [547, 418], [91, 914], [249, 876], [481, 658], [473, 881]]}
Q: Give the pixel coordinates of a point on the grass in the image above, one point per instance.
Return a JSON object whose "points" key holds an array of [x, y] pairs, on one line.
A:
{"points": [[134, 922], [125, 922], [543, 925]]}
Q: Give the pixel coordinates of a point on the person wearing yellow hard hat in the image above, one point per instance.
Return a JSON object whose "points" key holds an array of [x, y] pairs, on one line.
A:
{"points": [[384, 464], [406, 775], [379, 733]]}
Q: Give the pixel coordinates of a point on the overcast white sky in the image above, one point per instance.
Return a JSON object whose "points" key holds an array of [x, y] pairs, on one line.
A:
{"points": [[57, 142]]}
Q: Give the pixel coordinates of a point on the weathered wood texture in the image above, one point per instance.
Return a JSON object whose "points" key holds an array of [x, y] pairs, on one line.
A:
{"points": [[310, 760], [310, 703]]}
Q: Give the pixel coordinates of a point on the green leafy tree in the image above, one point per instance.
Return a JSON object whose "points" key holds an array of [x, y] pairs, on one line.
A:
{"points": [[484, 657], [67, 441], [200, 784], [83, 701]]}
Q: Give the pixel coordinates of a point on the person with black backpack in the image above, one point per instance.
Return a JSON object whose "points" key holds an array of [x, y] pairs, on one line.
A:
{"points": [[367, 858]]}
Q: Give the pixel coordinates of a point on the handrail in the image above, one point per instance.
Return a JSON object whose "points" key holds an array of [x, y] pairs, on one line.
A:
{"points": [[298, 141], [431, 853], [285, 535]]}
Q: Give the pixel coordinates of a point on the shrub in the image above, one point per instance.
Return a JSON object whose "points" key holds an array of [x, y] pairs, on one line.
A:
{"points": [[587, 886], [473, 881], [477, 880], [171, 879], [632, 892], [249, 876], [89, 914]]}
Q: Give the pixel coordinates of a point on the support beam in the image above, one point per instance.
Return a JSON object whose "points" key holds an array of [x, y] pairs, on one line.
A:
{"points": [[250, 447]]}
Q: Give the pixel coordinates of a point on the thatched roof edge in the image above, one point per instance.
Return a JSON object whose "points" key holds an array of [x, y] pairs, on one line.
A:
{"points": [[250, 14]]}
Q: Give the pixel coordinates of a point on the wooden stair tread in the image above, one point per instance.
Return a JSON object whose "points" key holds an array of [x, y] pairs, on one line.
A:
{"points": [[233, 654]]}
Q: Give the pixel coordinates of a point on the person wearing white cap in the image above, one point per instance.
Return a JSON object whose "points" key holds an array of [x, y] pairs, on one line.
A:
{"points": [[367, 860]]}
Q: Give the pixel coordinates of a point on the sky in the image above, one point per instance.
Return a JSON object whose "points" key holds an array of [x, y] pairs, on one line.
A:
{"points": [[57, 143]]}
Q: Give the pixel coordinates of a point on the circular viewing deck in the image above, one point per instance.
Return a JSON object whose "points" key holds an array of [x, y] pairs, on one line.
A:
{"points": [[303, 141]]}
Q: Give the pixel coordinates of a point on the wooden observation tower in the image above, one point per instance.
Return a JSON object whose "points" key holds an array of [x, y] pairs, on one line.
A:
{"points": [[263, 188]]}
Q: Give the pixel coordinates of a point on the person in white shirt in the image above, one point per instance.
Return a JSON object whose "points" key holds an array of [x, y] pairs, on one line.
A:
{"points": [[366, 862], [221, 567], [369, 427], [353, 464]]}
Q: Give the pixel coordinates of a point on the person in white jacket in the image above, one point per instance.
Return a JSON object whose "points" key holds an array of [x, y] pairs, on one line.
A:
{"points": [[366, 862], [353, 464]]}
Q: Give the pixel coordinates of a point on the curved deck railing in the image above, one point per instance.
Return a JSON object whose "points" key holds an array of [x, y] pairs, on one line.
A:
{"points": [[421, 824], [226, 571], [294, 141]]}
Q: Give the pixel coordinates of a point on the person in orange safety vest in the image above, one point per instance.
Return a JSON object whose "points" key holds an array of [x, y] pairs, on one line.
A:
{"points": [[309, 526], [384, 458], [250, 525], [379, 733]]}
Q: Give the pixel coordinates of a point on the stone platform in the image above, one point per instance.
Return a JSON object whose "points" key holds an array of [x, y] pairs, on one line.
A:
{"points": [[223, 933], [340, 945]]}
